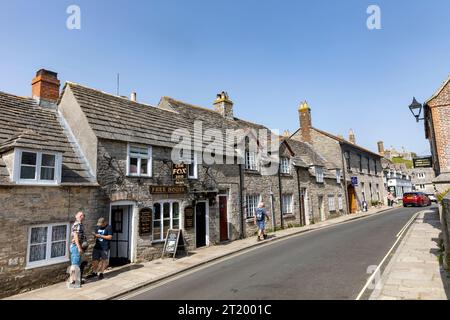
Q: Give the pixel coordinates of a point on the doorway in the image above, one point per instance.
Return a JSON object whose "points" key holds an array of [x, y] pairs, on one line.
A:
{"points": [[352, 198], [303, 220], [223, 212], [120, 243], [321, 209], [200, 224]]}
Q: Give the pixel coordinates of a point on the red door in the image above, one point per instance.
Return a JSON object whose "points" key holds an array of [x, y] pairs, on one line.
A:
{"points": [[223, 218]]}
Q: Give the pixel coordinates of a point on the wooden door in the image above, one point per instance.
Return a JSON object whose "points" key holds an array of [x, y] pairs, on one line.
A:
{"points": [[352, 199], [223, 218]]}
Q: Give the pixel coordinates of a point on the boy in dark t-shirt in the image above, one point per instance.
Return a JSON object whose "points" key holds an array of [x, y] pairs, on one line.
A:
{"points": [[100, 253]]}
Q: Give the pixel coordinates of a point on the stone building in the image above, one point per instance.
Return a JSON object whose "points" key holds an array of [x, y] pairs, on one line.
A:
{"points": [[422, 180], [360, 168], [44, 181], [397, 178], [437, 131]]}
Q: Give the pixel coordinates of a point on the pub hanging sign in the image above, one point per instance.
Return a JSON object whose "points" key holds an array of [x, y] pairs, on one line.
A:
{"points": [[179, 173]]}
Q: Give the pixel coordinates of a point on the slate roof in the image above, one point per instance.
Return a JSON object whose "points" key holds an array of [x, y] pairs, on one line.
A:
{"points": [[23, 123], [116, 118]]}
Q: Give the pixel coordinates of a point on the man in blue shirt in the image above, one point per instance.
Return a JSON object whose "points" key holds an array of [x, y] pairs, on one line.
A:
{"points": [[103, 236], [260, 221]]}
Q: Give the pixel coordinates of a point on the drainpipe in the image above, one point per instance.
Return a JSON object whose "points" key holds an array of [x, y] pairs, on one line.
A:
{"points": [[302, 222], [281, 197], [241, 197], [344, 170]]}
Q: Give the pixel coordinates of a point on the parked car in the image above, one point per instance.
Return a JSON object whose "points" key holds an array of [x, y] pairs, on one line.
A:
{"points": [[416, 199], [432, 197]]}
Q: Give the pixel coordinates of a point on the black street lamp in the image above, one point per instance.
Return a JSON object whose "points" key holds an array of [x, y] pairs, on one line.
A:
{"points": [[416, 109]]}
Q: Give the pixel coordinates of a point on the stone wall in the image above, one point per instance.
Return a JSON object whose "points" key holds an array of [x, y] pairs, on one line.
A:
{"points": [[23, 207], [444, 211]]}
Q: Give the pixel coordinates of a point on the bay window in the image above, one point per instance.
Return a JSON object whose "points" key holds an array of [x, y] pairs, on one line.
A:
{"points": [[166, 215]]}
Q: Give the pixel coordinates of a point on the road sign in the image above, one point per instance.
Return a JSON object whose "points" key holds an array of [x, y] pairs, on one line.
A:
{"points": [[354, 181]]}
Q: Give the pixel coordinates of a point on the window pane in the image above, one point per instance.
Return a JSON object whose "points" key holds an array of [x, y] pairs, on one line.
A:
{"points": [[37, 252], [58, 249], [133, 165], [59, 233], [48, 174], [144, 166], [29, 158], [157, 211], [48, 160], [27, 172], [166, 227], [176, 223], [166, 209], [176, 210], [139, 150], [38, 235]]}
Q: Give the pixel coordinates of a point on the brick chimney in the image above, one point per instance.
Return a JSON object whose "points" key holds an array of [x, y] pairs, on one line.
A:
{"points": [[45, 88], [224, 106], [351, 137], [381, 148], [305, 121]]}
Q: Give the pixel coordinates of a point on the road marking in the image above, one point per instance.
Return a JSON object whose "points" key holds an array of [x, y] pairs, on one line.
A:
{"points": [[399, 237]]}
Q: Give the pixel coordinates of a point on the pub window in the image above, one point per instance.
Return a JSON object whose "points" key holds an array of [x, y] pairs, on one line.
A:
{"points": [[340, 202], [338, 175], [38, 167], [331, 204], [360, 165], [139, 161], [347, 160], [368, 165], [48, 244], [193, 165], [251, 161], [166, 215]]}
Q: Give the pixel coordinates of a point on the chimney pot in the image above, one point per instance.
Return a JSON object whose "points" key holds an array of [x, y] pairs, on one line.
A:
{"points": [[133, 96], [351, 137], [45, 88]]}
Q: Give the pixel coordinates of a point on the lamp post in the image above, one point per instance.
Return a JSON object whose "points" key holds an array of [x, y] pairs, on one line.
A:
{"points": [[416, 109]]}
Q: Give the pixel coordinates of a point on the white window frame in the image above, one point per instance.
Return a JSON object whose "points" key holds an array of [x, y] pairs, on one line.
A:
{"points": [[288, 208], [340, 202], [338, 175], [37, 180], [161, 203], [319, 174], [48, 261], [149, 158], [195, 175], [251, 213], [251, 161], [331, 204], [285, 165]]}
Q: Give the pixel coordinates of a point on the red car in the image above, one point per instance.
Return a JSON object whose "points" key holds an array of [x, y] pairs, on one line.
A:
{"points": [[416, 199]]}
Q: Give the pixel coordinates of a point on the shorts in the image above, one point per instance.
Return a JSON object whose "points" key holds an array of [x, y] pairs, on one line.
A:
{"points": [[98, 254], [75, 256], [261, 225]]}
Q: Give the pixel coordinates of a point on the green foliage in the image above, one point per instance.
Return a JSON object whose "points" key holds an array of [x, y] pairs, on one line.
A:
{"points": [[408, 163], [441, 196]]}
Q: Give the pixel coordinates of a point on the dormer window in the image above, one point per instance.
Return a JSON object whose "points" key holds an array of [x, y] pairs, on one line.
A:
{"points": [[37, 167], [251, 162], [285, 165], [319, 174]]}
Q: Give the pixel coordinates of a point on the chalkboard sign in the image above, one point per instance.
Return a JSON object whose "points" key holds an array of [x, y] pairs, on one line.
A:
{"points": [[145, 221], [188, 217], [172, 242]]}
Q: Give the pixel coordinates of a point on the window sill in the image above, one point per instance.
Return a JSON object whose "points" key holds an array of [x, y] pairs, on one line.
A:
{"points": [[253, 172], [287, 175], [136, 176], [46, 263]]}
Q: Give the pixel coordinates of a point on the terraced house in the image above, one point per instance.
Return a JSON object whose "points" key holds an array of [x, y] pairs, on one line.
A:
{"points": [[117, 158], [360, 168]]}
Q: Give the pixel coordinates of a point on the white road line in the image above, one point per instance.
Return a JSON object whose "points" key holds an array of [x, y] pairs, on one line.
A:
{"points": [[399, 237]]}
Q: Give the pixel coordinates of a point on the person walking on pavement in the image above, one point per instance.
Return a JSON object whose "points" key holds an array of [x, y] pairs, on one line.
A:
{"points": [[260, 221], [77, 247], [100, 254]]}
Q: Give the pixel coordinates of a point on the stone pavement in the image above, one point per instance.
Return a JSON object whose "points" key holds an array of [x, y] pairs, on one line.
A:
{"points": [[120, 281], [414, 272]]}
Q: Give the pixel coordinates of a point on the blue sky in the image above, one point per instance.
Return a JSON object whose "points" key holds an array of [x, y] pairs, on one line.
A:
{"points": [[268, 56]]}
